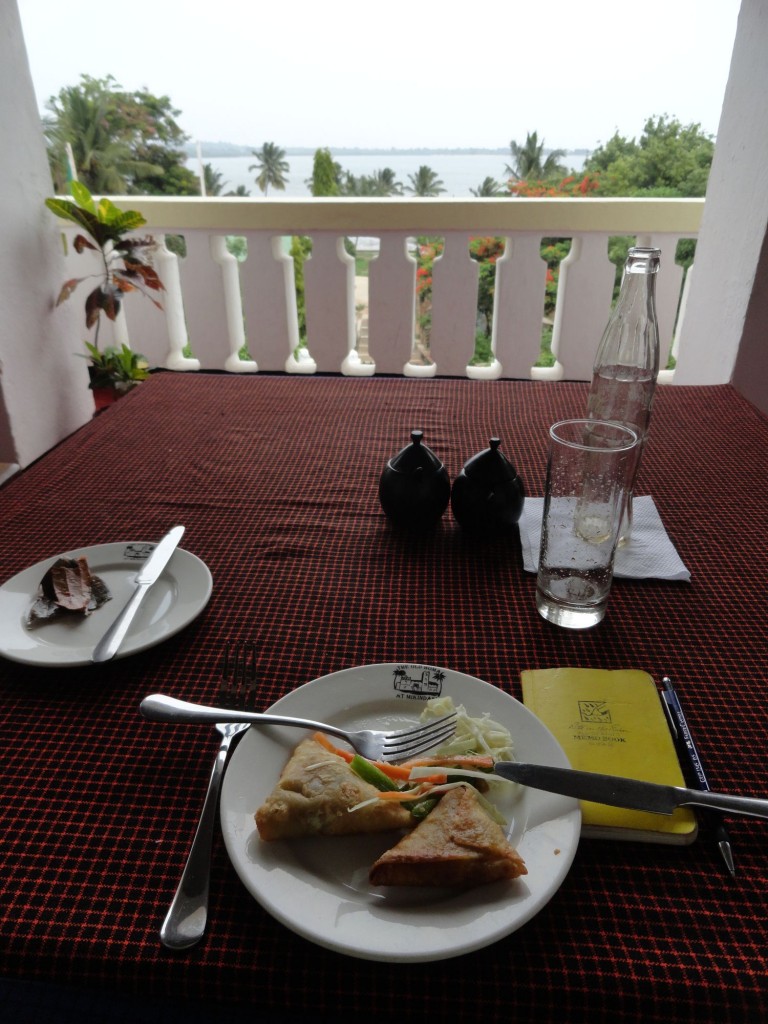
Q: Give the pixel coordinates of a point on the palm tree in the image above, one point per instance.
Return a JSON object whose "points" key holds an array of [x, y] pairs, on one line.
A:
{"points": [[272, 167], [424, 182], [529, 161], [385, 183], [490, 187], [380, 183], [213, 182], [83, 117]]}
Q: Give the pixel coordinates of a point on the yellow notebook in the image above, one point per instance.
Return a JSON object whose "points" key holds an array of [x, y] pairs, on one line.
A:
{"points": [[613, 722]]}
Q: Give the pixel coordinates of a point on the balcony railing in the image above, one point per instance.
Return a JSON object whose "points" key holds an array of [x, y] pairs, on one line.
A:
{"points": [[215, 306]]}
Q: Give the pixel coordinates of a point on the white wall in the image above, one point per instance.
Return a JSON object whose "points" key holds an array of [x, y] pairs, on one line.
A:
{"points": [[43, 386], [734, 223], [750, 374]]}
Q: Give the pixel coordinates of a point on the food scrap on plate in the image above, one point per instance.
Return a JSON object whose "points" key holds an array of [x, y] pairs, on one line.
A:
{"points": [[68, 587]]}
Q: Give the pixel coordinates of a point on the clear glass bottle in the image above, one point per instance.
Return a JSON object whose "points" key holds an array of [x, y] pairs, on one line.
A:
{"points": [[627, 362]]}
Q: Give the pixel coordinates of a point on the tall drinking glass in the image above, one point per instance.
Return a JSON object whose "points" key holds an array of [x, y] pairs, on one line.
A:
{"points": [[588, 472]]}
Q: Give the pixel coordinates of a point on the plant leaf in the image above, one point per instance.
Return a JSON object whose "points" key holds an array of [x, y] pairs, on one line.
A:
{"points": [[122, 283], [107, 212], [82, 197], [129, 244], [92, 307], [110, 298], [65, 209], [128, 220], [81, 242], [68, 211], [106, 298], [67, 288], [148, 274]]}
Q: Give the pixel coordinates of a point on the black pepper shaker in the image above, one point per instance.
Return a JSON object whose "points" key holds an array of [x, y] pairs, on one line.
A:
{"points": [[488, 494]]}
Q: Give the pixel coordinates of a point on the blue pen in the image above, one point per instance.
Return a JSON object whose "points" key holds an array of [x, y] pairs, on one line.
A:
{"points": [[680, 731]]}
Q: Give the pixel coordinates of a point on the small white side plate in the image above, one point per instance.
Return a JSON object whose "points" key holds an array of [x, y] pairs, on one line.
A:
{"points": [[319, 888], [173, 601]]}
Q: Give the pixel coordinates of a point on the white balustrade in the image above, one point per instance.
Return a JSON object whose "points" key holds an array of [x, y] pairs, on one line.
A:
{"points": [[215, 305]]}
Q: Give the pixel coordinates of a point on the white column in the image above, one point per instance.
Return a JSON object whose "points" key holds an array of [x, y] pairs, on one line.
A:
{"points": [[735, 217], [43, 384]]}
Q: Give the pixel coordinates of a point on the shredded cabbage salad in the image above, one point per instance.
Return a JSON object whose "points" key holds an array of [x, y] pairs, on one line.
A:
{"points": [[480, 741], [473, 735]]}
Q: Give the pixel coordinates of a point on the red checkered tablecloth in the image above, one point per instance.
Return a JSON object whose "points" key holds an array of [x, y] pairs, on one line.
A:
{"points": [[276, 480]]}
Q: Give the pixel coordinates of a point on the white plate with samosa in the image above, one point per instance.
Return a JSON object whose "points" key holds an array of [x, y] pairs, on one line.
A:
{"points": [[320, 886]]}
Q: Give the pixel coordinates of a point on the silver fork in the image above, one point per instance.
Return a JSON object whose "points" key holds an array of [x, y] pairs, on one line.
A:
{"points": [[375, 745], [184, 924]]}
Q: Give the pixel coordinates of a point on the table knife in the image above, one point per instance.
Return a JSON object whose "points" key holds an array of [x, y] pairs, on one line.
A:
{"points": [[621, 792], [150, 571]]}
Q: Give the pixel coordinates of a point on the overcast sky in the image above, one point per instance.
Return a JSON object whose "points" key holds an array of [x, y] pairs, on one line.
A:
{"points": [[397, 73]]}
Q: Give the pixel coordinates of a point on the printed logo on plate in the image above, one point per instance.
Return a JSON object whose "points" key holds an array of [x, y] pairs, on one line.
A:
{"points": [[418, 682], [138, 552]]}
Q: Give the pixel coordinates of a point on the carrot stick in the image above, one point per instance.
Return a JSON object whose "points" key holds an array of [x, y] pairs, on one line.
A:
{"points": [[405, 795], [394, 771], [424, 787], [325, 742]]}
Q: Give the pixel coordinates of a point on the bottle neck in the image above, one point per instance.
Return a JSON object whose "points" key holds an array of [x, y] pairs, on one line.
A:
{"points": [[631, 337], [642, 261]]}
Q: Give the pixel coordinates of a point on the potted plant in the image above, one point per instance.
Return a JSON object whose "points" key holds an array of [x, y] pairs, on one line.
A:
{"points": [[125, 268], [114, 371]]}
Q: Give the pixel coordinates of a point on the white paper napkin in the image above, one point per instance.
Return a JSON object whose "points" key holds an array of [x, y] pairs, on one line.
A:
{"points": [[650, 554]]}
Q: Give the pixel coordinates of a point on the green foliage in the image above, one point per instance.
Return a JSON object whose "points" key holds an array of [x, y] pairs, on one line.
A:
{"points": [[301, 248], [237, 246], [124, 265], [120, 368], [669, 160], [124, 143], [553, 252], [483, 354], [362, 263], [175, 180], [546, 358], [326, 175]]}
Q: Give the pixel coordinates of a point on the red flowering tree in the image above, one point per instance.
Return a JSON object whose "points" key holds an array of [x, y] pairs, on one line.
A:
{"points": [[554, 250], [569, 187]]}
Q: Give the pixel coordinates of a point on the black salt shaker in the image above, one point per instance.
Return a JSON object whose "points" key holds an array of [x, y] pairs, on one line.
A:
{"points": [[414, 488]]}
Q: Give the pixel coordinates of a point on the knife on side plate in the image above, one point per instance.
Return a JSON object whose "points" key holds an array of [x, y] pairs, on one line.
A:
{"points": [[621, 792], [150, 571]]}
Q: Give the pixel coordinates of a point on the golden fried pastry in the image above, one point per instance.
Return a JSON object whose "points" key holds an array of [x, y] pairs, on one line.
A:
{"points": [[457, 845], [314, 795]]}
